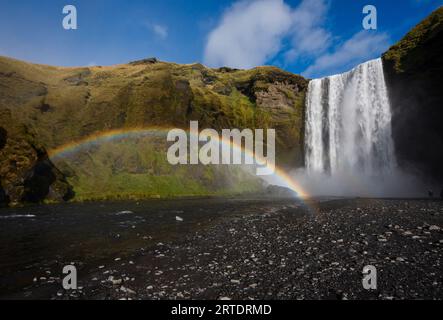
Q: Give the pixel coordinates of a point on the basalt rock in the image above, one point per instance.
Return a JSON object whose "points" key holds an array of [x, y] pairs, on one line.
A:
{"points": [[144, 61], [4, 200]]}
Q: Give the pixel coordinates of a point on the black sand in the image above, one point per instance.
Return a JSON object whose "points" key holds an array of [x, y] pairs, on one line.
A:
{"points": [[237, 249]]}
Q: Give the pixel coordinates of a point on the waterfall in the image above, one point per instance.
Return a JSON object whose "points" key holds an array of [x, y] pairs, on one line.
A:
{"points": [[348, 126]]}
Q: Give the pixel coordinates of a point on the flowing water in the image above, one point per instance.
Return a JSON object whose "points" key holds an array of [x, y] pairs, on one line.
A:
{"points": [[348, 123], [38, 241], [349, 148]]}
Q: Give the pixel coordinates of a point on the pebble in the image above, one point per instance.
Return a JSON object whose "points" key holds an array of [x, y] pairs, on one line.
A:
{"points": [[127, 290]]}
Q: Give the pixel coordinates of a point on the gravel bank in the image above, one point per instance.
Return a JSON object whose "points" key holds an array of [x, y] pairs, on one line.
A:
{"points": [[289, 252]]}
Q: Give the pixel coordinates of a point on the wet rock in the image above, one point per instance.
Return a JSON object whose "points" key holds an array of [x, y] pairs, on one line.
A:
{"points": [[114, 281], [127, 290]]}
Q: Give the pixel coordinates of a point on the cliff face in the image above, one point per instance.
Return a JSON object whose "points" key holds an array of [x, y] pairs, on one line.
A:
{"points": [[27, 175], [414, 73], [64, 104], [60, 105]]}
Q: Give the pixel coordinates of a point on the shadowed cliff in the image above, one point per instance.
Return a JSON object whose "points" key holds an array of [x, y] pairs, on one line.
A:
{"points": [[27, 175], [414, 73]]}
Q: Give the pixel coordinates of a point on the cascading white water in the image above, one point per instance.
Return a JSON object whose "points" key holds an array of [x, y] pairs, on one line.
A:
{"points": [[348, 126]]}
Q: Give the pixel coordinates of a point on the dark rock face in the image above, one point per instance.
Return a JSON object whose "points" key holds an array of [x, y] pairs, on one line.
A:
{"points": [[144, 61], [3, 137], [414, 74], [26, 174], [45, 181], [3, 197], [281, 96]]}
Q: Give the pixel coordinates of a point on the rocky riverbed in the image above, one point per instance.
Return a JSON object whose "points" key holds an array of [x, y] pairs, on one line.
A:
{"points": [[249, 249]]}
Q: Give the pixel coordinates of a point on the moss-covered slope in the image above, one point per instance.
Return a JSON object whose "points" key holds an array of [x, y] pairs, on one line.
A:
{"points": [[61, 105]]}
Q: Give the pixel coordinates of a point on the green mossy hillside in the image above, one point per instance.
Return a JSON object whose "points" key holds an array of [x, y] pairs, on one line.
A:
{"points": [[61, 105], [136, 168], [409, 54]]}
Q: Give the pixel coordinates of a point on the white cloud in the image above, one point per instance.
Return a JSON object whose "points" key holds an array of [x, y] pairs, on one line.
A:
{"points": [[252, 32], [309, 36], [160, 31], [249, 34], [363, 46]]}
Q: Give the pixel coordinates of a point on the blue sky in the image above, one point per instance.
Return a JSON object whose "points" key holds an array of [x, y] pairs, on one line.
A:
{"points": [[311, 37]]}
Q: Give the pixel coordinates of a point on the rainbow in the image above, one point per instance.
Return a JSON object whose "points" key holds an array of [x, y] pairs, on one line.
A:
{"points": [[281, 177]]}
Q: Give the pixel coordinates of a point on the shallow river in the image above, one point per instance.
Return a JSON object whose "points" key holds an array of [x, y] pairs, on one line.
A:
{"points": [[42, 239]]}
